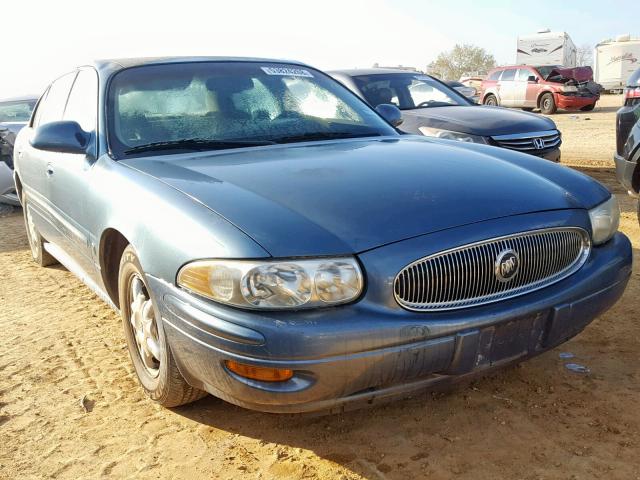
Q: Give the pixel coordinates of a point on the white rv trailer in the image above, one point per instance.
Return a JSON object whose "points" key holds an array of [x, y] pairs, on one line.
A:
{"points": [[615, 61], [546, 48]]}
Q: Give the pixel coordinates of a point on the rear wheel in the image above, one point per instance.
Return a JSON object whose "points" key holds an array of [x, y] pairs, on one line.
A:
{"points": [[36, 242], [150, 353], [527, 109], [491, 100], [588, 108], [548, 104]]}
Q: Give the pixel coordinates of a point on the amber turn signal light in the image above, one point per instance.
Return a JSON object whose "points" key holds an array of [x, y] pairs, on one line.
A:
{"points": [[262, 374]]}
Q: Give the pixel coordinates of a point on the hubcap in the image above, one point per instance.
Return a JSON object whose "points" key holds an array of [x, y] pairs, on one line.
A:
{"points": [[145, 328], [33, 233]]}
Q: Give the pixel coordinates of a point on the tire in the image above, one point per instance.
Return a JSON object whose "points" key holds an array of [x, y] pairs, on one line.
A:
{"points": [[491, 100], [154, 363], [527, 109], [588, 108], [548, 104], [36, 242]]}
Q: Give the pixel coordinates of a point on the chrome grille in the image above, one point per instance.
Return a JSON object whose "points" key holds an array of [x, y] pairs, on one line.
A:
{"points": [[529, 142], [467, 276]]}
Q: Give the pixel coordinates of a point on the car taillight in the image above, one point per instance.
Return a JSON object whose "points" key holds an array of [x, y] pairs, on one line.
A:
{"points": [[631, 93]]}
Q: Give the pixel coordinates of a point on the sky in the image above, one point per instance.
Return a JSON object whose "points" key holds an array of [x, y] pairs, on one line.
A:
{"points": [[42, 39]]}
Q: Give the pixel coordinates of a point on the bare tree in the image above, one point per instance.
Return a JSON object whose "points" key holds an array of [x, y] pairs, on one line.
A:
{"points": [[584, 55], [462, 60]]}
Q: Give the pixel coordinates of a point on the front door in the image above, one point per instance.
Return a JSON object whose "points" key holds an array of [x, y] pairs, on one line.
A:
{"points": [[71, 173]]}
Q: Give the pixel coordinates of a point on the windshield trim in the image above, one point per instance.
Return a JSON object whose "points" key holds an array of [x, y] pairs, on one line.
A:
{"points": [[108, 84]]}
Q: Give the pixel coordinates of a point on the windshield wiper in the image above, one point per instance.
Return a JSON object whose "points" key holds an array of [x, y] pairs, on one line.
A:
{"points": [[197, 144], [307, 137]]}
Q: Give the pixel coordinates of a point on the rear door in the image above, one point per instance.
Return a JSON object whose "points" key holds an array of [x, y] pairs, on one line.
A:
{"points": [[35, 165], [506, 87]]}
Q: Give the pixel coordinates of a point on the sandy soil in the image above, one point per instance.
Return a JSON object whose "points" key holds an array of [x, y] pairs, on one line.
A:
{"points": [[70, 406]]}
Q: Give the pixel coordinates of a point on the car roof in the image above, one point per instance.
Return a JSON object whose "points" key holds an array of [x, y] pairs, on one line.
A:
{"points": [[114, 64], [22, 98], [356, 72]]}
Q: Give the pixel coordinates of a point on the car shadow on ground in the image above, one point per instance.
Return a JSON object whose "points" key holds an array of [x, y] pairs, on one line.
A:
{"points": [[364, 440]]}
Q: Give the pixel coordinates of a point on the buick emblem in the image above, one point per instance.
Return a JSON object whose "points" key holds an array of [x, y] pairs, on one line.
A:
{"points": [[538, 143], [507, 265]]}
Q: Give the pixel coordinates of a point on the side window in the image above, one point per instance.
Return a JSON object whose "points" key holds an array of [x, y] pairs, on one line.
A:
{"points": [[508, 75], [495, 75], [523, 74], [51, 108], [83, 100]]}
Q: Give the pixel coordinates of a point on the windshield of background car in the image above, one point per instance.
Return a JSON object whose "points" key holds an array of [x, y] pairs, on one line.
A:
{"points": [[546, 70], [241, 102], [407, 91], [16, 111]]}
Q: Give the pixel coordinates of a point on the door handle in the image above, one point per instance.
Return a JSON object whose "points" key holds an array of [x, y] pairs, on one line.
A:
{"points": [[49, 170]]}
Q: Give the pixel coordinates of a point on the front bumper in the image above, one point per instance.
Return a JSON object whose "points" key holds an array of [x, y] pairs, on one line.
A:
{"points": [[625, 171], [574, 102], [552, 155], [360, 353]]}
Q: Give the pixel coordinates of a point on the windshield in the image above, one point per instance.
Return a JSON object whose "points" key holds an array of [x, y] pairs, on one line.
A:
{"points": [[17, 111], [208, 105], [407, 91], [546, 70]]}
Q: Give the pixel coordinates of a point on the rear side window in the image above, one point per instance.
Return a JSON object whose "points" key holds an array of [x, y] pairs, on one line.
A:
{"points": [[51, 109], [495, 75], [508, 75], [83, 100]]}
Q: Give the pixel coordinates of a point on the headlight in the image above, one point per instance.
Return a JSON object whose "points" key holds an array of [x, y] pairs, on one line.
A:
{"points": [[275, 284], [450, 135], [605, 220]]}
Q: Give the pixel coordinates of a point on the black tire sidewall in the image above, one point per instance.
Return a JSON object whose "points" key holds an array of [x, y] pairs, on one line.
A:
{"points": [[551, 109], [37, 256], [493, 99], [156, 387]]}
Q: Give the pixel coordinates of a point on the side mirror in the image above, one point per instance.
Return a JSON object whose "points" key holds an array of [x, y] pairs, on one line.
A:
{"points": [[532, 79], [390, 113], [62, 137]]}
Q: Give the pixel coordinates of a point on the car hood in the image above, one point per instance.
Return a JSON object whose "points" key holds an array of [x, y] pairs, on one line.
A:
{"points": [[341, 197], [477, 120], [563, 75]]}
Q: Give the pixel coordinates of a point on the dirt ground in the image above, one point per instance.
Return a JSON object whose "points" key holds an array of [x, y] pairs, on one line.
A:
{"points": [[70, 405]]}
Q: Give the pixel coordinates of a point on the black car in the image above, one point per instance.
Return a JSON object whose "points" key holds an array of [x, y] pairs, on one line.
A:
{"points": [[432, 108], [14, 114], [627, 156]]}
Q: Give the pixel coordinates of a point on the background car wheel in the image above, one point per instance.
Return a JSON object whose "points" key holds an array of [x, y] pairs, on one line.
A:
{"points": [[491, 100], [548, 104], [588, 108], [36, 242], [527, 109], [150, 353]]}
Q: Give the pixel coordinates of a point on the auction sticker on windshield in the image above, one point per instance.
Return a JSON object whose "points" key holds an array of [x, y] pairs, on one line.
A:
{"points": [[287, 72]]}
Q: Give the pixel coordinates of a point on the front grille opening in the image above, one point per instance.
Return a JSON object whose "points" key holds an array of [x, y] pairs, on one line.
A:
{"points": [[467, 276]]}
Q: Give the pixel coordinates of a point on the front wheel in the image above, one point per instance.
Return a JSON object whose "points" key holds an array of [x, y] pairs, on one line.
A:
{"points": [[491, 100], [150, 353], [588, 108], [548, 104]]}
